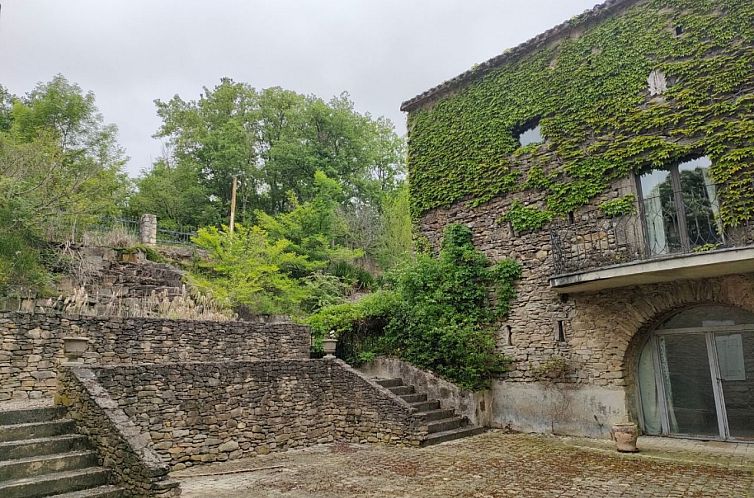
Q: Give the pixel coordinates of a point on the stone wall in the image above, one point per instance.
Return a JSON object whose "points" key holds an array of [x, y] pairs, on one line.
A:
{"points": [[120, 445], [599, 327], [206, 412], [476, 406], [31, 345]]}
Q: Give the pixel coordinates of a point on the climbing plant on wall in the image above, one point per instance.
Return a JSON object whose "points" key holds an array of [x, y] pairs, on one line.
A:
{"points": [[589, 93]]}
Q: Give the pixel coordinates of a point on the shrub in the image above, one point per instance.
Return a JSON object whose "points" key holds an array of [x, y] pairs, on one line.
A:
{"points": [[436, 313]]}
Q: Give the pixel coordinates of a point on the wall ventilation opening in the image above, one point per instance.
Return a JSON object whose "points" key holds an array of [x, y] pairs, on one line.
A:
{"points": [[678, 30], [531, 134], [508, 335], [560, 330], [571, 218]]}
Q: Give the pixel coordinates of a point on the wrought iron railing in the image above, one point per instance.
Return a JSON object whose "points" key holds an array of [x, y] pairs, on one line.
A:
{"points": [[671, 223], [182, 236], [107, 230]]}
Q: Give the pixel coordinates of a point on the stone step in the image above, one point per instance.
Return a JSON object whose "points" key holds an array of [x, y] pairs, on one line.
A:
{"points": [[54, 483], [107, 491], [401, 390], [414, 398], [36, 465], [431, 415], [27, 448], [446, 424], [35, 430], [29, 415], [425, 406], [441, 437], [390, 382]]}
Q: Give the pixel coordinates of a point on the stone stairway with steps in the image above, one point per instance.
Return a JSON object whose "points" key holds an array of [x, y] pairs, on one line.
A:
{"points": [[42, 455], [443, 424]]}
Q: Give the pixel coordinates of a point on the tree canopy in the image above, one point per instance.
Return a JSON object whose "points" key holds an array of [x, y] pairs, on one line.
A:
{"points": [[273, 140], [58, 162]]}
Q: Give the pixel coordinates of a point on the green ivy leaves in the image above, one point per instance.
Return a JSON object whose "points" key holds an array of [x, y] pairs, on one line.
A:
{"points": [[600, 123]]}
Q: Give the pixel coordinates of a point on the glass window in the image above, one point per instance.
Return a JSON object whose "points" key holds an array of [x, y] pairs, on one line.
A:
{"points": [[531, 135], [681, 211]]}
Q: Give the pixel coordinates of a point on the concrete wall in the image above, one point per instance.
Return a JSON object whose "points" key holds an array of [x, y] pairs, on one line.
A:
{"points": [[31, 345], [557, 408], [476, 406], [205, 412]]}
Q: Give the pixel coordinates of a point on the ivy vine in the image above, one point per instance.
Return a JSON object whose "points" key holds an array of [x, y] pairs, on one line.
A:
{"points": [[590, 96]]}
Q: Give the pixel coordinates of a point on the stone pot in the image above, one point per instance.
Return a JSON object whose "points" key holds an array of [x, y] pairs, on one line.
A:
{"points": [[75, 347], [625, 436], [329, 344]]}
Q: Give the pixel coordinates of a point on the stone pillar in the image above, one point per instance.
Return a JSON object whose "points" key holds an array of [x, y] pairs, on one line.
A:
{"points": [[148, 229]]}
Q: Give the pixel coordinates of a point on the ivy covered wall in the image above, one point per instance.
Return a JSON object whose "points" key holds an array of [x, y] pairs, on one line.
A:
{"points": [[590, 94]]}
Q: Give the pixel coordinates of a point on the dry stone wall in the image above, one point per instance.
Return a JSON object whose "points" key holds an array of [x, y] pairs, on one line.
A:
{"points": [[599, 326], [121, 446], [31, 345], [207, 412]]}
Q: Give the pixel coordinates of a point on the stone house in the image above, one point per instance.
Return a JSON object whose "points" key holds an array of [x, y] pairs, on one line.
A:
{"points": [[613, 157]]}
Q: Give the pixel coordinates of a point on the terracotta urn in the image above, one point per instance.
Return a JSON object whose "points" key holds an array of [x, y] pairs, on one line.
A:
{"points": [[329, 344], [625, 436], [75, 347]]}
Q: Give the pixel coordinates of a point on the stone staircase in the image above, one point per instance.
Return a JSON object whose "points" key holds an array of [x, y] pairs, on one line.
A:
{"points": [[42, 455], [443, 424]]}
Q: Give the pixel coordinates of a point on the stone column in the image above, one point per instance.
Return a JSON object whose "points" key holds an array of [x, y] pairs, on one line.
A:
{"points": [[148, 229]]}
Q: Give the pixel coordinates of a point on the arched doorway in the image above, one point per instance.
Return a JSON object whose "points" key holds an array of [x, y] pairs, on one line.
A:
{"points": [[696, 375]]}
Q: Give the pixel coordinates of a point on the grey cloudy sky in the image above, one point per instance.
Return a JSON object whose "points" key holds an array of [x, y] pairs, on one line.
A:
{"points": [[130, 52]]}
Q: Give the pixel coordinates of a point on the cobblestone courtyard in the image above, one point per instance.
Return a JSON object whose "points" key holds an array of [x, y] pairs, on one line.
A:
{"points": [[493, 464]]}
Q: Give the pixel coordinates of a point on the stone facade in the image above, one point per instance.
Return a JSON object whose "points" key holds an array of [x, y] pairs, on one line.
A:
{"points": [[120, 444], [204, 412], [31, 345], [600, 328]]}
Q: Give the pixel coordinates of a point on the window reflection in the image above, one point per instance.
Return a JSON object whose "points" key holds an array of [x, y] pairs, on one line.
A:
{"points": [[681, 208]]}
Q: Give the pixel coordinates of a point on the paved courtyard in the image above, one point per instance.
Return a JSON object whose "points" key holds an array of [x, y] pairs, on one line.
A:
{"points": [[494, 464]]}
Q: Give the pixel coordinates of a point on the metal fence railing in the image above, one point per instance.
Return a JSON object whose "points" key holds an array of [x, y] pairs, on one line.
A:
{"points": [[175, 237], [114, 231], [672, 223]]}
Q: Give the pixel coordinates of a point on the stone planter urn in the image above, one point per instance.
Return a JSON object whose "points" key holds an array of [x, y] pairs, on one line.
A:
{"points": [[625, 436], [74, 348], [329, 344]]}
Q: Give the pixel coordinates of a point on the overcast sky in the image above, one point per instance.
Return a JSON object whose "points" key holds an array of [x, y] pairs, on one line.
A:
{"points": [[130, 52]]}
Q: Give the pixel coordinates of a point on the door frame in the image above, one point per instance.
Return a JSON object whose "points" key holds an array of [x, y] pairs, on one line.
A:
{"points": [[717, 387]]}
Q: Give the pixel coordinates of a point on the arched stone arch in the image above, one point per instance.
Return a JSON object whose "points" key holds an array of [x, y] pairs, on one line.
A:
{"points": [[609, 324]]}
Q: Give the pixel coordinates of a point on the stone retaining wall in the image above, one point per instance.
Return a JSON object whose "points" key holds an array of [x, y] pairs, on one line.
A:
{"points": [[207, 412], [31, 345], [474, 405], [121, 446]]}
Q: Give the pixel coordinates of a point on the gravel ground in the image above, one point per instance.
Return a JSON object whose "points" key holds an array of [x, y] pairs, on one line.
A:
{"points": [[494, 464]]}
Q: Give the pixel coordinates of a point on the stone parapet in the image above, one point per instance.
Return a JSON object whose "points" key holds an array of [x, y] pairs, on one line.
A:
{"points": [[121, 445], [31, 345]]}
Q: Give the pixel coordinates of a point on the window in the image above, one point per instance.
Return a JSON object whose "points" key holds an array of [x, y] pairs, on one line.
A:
{"points": [[531, 135], [679, 208], [695, 377]]}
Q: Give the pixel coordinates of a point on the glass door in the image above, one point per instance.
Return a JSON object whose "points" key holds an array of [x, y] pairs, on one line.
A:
{"points": [[685, 373], [696, 375], [735, 358]]}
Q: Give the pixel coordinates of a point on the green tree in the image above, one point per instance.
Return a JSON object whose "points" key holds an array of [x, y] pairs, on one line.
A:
{"points": [[59, 163], [274, 140], [288, 263]]}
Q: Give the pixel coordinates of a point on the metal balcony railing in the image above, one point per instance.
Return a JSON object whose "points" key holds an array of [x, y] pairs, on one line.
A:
{"points": [[668, 224]]}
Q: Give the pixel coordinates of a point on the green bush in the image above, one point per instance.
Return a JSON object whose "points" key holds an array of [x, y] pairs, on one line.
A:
{"points": [[436, 313]]}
